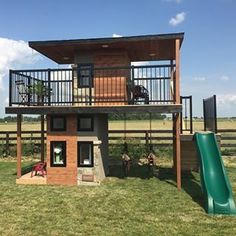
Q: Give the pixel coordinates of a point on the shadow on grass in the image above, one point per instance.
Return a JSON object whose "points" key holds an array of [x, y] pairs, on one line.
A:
{"points": [[26, 168], [190, 184]]}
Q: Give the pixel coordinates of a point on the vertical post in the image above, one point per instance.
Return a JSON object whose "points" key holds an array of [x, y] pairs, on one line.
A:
{"points": [[42, 138], [191, 114], [146, 138], [10, 87], [215, 114], [177, 115], [49, 87], [204, 114], [132, 84], [19, 147], [7, 143], [181, 116]]}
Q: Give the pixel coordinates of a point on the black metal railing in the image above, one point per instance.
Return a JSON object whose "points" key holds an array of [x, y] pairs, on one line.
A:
{"points": [[186, 114], [92, 86]]}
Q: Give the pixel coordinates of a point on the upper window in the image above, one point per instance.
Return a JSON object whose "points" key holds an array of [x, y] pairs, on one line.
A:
{"points": [[58, 153], [85, 123], [85, 154], [58, 123], [85, 78]]}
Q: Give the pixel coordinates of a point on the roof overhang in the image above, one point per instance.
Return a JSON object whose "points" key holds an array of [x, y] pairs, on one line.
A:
{"points": [[139, 48]]}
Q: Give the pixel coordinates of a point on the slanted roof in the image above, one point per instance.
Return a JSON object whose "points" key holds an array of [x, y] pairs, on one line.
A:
{"points": [[139, 48]]}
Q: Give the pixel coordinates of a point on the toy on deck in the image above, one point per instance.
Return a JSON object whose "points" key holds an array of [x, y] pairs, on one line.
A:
{"points": [[39, 168]]}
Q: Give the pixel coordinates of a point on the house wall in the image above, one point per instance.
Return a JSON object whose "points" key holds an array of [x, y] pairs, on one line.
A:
{"points": [[110, 89], [100, 141], [63, 175], [71, 174]]}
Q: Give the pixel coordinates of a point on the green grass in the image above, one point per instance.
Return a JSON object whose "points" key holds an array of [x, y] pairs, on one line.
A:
{"points": [[132, 206]]}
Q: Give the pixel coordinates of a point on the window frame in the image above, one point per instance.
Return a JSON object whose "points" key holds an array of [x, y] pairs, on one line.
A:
{"points": [[64, 123], [78, 154], [52, 143], [81, 67], [79, 128]]}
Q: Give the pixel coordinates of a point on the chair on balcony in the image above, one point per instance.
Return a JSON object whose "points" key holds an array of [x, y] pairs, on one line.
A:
{"points": [[139, 91], [23, 91]]}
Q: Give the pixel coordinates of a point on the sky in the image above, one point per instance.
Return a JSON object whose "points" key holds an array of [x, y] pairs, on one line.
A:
{"points": [[208, 64]]}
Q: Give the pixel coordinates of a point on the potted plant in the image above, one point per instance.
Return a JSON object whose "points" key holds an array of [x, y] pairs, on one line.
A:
{"points": [[40, 90]]}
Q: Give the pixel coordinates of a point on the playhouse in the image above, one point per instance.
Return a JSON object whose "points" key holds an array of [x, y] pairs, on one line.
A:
{"points": [[75, 101]]}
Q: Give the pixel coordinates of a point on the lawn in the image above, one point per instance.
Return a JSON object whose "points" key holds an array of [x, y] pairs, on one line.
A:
{"points": [[136, 205]]}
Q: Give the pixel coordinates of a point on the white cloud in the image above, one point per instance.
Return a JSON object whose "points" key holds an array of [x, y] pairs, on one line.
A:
{"points": [[14, 54], [226, 105], [6, 101], [200, 78], [226, 99], [179, 18], [224, 78], [116, 36]]}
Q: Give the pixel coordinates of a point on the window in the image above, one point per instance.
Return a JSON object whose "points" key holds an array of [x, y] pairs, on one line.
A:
{"points": [[85, 154], [58, 123], [58, 153], [85, 123], [85, 78]]}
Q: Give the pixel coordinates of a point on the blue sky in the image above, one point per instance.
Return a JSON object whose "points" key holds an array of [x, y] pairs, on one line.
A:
{"points": [[208, 64]]}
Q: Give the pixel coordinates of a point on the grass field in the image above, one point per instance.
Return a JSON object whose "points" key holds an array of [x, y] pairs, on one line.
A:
{"points": [[132, 206]]}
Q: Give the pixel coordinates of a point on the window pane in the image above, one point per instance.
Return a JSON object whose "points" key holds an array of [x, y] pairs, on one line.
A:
{"points": [[85, 123], [85, 153], [84, 81], [85, 78], [58, 153], [58, 123]]}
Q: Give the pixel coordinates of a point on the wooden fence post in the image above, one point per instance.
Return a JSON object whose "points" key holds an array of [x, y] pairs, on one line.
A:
{"points": [[7, 143]]}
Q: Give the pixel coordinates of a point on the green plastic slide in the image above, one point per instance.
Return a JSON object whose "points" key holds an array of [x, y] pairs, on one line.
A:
{"points": [[215, 183]]}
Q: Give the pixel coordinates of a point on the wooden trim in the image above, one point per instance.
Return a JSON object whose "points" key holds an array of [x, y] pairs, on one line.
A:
{"points": [[170, 108], [177, 73], [19, 147], [177, 150]]}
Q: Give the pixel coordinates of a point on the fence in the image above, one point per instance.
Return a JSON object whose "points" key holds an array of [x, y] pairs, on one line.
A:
{"points": [[159, 138]]}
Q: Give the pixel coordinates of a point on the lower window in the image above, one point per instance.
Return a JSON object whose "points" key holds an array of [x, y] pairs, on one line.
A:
{"points": [[85, 154], [58, 153]]}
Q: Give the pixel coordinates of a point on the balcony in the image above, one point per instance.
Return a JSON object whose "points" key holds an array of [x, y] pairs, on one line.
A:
{"points": [[88, 86]]}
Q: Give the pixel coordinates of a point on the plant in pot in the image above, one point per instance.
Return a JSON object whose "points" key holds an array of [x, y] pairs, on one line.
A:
{"points": [[40, 91]]}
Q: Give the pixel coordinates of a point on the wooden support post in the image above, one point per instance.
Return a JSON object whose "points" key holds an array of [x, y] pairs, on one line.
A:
{"points": [[7, 144], [19, 147], [42, 138], [177, 115]]}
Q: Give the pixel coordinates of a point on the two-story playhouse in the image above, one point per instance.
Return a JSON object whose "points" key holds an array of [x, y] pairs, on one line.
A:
{"points": [[101, 80]]}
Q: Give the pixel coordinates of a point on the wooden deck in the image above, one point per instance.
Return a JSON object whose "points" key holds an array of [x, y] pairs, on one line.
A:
{"points": [[35, 180], [163, 108]]}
